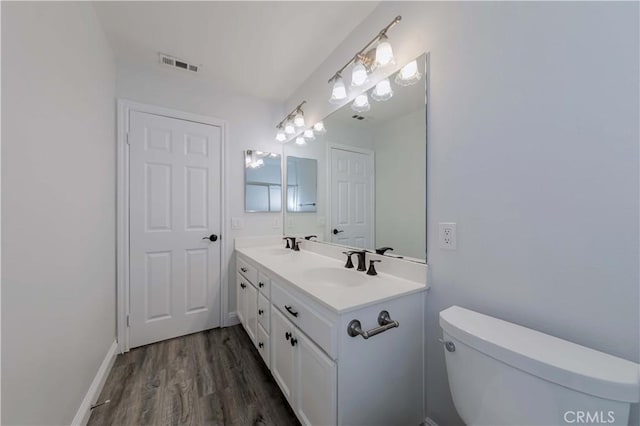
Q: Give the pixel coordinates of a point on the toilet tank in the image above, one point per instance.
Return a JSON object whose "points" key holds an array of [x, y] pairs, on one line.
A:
{"points": [[504, 374]]}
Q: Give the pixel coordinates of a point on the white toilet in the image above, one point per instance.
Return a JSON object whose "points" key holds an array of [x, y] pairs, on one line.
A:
{"points": [[504, 374]]}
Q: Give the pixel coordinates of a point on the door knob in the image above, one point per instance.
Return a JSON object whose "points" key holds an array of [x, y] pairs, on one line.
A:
{"points": [[212, 237], [335, 231]]}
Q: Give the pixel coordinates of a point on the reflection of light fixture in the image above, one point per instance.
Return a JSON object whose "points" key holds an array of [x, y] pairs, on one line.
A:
{"points": [[382, 91], [339, 92], [365, 60], [254, 159], [409, 74], [319, 128], [359, 74], [361, 103], [287, 127], [384, 52], [300, 140], [299, 119], [308, 135]]}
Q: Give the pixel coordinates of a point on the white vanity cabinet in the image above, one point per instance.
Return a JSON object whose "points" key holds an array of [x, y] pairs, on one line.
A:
{"points": [[307, 376], [253, 307]]}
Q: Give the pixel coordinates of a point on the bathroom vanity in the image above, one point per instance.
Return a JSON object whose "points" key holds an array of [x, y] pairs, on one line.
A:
{"points": [[299, 307]]}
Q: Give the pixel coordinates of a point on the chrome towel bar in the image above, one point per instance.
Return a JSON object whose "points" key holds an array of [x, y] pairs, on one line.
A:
{"points": [[384, 320]]}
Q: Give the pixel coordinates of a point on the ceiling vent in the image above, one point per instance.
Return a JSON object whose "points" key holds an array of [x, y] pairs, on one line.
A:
{"points": [[172, 62]]}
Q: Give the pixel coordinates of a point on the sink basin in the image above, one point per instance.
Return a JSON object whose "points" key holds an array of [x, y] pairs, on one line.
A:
{"points": [[277, 251], [336, 277]]}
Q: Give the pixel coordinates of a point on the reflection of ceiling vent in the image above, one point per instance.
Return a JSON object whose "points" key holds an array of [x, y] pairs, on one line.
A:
{"points": [[172, 62]]}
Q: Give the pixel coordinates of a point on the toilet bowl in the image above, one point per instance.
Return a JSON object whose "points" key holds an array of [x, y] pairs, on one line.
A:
{"points": [[504, 374]]}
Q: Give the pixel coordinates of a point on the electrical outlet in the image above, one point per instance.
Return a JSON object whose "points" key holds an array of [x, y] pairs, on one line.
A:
{"points": [[447, 236], [237, 223]]}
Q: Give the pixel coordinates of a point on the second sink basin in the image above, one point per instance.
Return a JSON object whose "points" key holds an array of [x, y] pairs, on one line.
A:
{"points": [[336, 277]]}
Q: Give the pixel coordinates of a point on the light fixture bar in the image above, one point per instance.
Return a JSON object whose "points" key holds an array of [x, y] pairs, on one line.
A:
{"points": [[362, 51], [291, 115]]}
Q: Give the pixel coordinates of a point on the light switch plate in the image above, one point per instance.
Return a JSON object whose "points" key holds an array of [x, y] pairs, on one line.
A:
{"points": [[447, 236], [276, 223], [237, 223]]}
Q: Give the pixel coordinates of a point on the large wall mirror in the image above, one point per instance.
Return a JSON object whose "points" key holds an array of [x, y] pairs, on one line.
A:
{"points": [[371, 172], [262, 181]]}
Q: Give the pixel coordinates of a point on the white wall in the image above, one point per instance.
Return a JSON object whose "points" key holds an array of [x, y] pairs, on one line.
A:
{"points": [[533, 151], [58, 215], [401, 161], [251, 125]]}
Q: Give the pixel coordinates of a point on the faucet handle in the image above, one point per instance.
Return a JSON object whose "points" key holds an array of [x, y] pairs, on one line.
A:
{"points": [[349, 263], [308, 237], [372, 268]]}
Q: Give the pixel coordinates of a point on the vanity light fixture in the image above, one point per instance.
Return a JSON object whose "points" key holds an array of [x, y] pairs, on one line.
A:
{"points": [[319, 128], [365, 61], [308, 135], [300, 141], [409, 74], [287, 127], [382, 91], [361, 103], [339, 92]]}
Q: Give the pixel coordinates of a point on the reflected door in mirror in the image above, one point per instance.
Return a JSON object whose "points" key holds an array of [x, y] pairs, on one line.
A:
{"points": [[352, 203]]}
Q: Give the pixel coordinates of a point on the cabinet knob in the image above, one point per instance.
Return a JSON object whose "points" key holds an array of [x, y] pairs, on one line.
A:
{"points": [[243, 269], [287, 335], [243, 285], [261, 345], [294, 341], [260, 311], [260, 285]]}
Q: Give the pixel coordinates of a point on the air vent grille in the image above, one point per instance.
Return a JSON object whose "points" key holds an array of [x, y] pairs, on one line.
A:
{"points": [[172, 62]]}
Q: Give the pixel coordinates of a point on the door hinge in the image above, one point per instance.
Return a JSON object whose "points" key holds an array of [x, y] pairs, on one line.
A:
{"points": [[128, 325]]}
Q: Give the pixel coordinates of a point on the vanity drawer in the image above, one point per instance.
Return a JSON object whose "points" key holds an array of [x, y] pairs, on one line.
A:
{"points": [[249, 271], [262, 343], [264, 312], [264, 284], [305, 318]]}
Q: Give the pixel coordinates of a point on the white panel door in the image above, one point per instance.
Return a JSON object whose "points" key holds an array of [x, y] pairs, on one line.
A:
{"points": [[351, 199], [175, 206]]}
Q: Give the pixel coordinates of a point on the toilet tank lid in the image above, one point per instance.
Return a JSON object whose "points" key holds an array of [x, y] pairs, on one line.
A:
{"points": [[550, 358]]}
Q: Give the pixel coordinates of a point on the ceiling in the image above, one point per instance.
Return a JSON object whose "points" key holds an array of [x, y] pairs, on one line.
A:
{"points": [[263, 49]]}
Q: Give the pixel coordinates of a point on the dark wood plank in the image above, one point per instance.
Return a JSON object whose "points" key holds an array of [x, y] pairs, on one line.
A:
{"points": [[216, 377]]}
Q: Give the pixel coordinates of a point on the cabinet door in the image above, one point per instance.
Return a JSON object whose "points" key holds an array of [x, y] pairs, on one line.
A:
{"points": [[251, 311], [282, 354], [241, 285], [316, 384], [264, 312]]}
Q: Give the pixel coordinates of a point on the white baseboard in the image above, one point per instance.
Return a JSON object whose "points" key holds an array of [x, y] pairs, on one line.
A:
{"points": [[84, 412], [232, 319]]}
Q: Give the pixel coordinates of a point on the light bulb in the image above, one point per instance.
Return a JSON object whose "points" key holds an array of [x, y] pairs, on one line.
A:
{"points": [[289, 129], [409, 74], [299, 119], [361, 103], [382, 91], [280, 136], [339, 92], [358, 74], [384, 53], [308, 134], [300, 140], [319, 128]]}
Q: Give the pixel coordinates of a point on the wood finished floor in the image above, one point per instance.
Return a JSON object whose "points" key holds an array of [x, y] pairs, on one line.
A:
{"points": [[216, 377]]}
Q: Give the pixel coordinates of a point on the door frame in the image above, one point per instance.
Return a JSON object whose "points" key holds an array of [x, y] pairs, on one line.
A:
{"points": [[372, 169], [124, 107]]}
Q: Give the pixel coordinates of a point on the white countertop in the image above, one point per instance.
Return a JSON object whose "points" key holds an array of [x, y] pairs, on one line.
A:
{"points": [[301, 270]]}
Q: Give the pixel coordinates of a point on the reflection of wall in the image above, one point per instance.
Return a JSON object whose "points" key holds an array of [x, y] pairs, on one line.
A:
{"points": [[401, 157], [535, 156]]}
